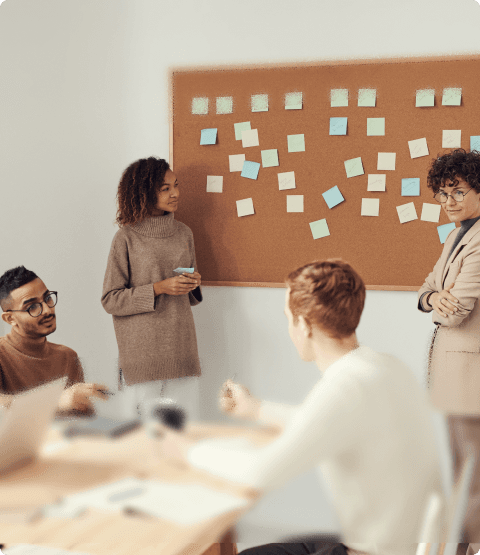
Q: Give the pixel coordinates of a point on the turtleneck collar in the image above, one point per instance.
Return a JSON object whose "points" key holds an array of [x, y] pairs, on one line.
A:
{"points": [[468, 223], [156, 226], [27, 346]]}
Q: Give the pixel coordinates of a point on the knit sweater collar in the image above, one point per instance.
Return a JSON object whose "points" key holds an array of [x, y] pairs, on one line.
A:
{"points": [[27, 346], [156, 226]]}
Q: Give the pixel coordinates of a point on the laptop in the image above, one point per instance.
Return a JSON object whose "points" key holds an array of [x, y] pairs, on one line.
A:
{"points": [[25, 424]]}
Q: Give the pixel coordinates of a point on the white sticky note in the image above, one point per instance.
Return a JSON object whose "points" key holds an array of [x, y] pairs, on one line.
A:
{"points": [[367, 97], [236, 162], [224, 104], [451, 138], [418, 148], [452, 97], [286, 180], [370, 206], [386, 161], [376, 182], [239, 127], [407, 212], [245, 207], [200, 105], [375, 127], [430, 212], [354, 167], [425, 98], [294, 203], [293, 101], [259, 102], [338, 98], [250, 137], [214, 183]]}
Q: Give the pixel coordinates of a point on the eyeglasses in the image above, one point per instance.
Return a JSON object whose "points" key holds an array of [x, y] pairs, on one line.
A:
{"points": [[457, 196], [36, 309]]}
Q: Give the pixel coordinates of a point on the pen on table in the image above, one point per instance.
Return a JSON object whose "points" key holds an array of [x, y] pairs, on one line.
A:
{"points": [[105, 391]]}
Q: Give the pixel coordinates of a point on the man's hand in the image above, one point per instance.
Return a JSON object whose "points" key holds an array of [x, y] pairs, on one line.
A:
{"points": [[236, 400], [77, 397], [444, 302]]}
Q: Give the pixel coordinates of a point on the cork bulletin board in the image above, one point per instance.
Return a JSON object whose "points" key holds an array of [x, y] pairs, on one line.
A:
{"points": [[260, 249]]}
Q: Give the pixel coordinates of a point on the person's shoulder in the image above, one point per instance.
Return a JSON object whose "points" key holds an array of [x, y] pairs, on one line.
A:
{"points": [[183, 228]]}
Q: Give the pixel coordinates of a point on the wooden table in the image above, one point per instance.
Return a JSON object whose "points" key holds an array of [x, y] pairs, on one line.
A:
{"points": [[89, 462]]}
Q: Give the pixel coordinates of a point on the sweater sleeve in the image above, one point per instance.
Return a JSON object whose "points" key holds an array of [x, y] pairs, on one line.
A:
{"points": [[118, 298], [276, 414], [195, 297], [325, 424], [75, 374]]}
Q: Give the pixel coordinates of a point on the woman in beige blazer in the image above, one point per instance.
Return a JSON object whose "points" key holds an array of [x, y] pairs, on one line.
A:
{"points": [[451, 291]]}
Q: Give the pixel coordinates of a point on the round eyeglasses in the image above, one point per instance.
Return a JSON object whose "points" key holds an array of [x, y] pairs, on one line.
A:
{"points": [[457, 196], [36, 309]]}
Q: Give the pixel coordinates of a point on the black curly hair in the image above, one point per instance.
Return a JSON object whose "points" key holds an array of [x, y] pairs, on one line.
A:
{"points": [[456, 164], [137, 189], [11, 280]]}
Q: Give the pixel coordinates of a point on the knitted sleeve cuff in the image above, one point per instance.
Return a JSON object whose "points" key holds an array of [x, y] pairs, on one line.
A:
{"points": [[420, 302], [144, 298]]}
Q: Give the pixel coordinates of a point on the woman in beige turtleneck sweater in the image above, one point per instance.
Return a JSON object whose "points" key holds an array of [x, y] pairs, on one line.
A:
{"points": [[150, 304]]}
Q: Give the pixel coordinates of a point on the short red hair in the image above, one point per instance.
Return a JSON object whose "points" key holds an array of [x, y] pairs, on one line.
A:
{"points": [[329, 294]]}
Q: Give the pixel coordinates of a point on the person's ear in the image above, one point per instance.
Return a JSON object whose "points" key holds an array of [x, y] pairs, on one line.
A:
{"points": [[7, 317], [305, 326]]}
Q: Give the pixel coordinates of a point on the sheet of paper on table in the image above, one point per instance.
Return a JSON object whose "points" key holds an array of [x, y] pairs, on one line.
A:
{"points": [[185, 504]]}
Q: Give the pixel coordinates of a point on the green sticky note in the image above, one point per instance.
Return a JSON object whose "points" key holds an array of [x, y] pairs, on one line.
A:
{"points": [[259, 102], [224, 105], [452, 97], [375, 126], [293, 101], [319, 229], [425, 98], [239, 127], [296, 143], [367, 97], [338, 98], [269, 158], [354, 167], [200, 105]]}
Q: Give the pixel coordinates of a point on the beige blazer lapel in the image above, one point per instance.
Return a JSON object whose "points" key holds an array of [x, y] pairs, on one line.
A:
{"points": [[465, 239]]}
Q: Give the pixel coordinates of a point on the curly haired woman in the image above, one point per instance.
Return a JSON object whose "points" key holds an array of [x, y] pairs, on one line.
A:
{"points": [[451, 291], [150, 304]]}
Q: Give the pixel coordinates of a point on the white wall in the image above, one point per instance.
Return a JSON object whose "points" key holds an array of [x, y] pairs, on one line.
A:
{"points": [[83, 92]]}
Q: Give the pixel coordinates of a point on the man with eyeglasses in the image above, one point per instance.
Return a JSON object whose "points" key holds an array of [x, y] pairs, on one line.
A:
{"points": [[452, 290], [27, 359]]}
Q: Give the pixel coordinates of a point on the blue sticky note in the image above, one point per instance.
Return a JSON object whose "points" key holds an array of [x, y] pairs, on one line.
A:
{"points": [[475, 142], [333, 197], [411, 187], [338, 126], [444, 230], [250, 169], [184, 270], [208, 137]]}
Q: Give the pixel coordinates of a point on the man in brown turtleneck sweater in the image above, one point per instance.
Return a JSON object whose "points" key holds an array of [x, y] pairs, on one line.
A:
{"points": [[27, 359]]}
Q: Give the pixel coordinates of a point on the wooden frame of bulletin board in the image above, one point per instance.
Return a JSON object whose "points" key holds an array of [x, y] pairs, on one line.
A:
{"points": [[262, 248]]}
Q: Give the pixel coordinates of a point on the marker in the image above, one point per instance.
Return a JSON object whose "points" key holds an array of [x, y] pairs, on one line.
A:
{"points": [[105, 391]]}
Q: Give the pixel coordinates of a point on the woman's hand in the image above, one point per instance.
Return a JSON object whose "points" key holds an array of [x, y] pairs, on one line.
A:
{"points": [[197, 276], [237, 400], [178, 285], [443, 302]]}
